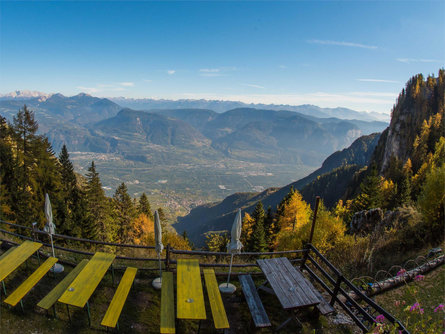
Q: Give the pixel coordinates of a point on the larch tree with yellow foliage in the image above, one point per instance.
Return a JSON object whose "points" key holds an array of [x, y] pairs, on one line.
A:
{"points": [[294, 212]]}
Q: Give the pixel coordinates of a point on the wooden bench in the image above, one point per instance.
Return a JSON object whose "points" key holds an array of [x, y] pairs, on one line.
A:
{"points": [[1, 257], [7, 252], [324, 307], [117, 303], [216, 303], [167, 304], [30, 282], [253, 300], [51, 298]]}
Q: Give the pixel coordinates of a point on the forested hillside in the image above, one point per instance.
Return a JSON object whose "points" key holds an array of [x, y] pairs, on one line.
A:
{"points": [[29, 169], [404, 179]]}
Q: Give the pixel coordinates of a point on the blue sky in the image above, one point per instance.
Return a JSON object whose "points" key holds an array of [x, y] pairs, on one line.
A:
{"points": [[354, 54]]}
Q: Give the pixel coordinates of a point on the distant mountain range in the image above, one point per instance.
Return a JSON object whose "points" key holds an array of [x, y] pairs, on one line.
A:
{"points": [[217, 106], [188, 156], [222, 106]]}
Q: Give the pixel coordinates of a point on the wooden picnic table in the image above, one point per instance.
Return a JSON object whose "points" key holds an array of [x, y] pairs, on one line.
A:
{"points": [[16, 257], [292, 289], [83, 286], [190, 297]]}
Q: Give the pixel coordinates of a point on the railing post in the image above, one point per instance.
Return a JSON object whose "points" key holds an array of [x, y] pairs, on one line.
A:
{"points": [[167, 258], [317, 203], [336, 289], [305, 256]]}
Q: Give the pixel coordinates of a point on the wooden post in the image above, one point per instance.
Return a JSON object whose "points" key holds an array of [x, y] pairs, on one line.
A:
{"points": [[317, 202], [336, 289], [167, 258]]}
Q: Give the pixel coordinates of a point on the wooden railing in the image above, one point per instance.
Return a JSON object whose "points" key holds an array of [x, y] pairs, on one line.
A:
{"points": [[362, 309]]}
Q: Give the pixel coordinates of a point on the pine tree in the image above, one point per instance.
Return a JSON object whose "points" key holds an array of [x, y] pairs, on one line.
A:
{"points": [[162, 218], [95, 226], [8, 185], [72, 211], [24, 131], [124, 212], [258, 239], [371, 192], [144, 206]]}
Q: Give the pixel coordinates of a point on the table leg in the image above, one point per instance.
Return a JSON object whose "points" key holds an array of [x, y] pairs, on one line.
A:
{"points": [[89, 317], [21, 304], [4, 288], [54, 310], [112, 274], [68, 311]]}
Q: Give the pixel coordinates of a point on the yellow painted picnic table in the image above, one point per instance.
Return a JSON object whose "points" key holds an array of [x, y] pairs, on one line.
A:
{"points": [[190, 297], [15, 258], [83, 286]]}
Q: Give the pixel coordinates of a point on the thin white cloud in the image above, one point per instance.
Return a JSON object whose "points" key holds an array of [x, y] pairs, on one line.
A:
{"points": [[88, 90], [282, 66], [378, 80], [101, 87], [253, 86], [171, 72], [210, 72], [342, 43], [147, 80], [416, 60]]}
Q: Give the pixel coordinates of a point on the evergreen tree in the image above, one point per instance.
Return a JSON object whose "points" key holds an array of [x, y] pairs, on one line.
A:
{"points": [[162, 218], [24, 131], [269, 227], [144, 206], [7, 171], [124, 213], [371, 192], [95, 226], [258, 239], [72, 211]]}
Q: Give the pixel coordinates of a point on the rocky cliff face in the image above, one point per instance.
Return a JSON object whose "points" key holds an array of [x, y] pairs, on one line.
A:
{"points": [[421, 99]]}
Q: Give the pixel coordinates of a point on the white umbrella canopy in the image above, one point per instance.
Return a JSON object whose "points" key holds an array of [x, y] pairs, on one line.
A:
{"points": [[157, 282], [50, 227], [233, 247], [158, 234]]}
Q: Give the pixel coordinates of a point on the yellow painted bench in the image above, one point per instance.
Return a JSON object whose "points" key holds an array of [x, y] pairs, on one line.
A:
{"points": [[51, 298], [216, 303], [30, 282], [190, 297], [167, 304], [7, 252], [1, 257], [117, 303]]}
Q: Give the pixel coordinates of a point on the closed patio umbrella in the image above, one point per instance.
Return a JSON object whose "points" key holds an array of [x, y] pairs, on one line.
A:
{"points": [[233, 247], [50, 228], [157, 282]]}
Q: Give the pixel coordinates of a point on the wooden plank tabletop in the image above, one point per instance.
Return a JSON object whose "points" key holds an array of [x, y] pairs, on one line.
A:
{"points": [[291, 287], [216, 304], [15, 258], [83, 286], [190, 297]]}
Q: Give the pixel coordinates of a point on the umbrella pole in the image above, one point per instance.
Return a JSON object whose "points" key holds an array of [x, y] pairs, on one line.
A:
{"points": [[52, 244], [160, 266], [230, 269]]}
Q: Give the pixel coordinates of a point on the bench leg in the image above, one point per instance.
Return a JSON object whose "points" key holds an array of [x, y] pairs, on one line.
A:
{"points": [[199, 326], [89, 317], [4, 288], [112, 274], [68, 311], [54, 310], [117, 325], [21, 304]]}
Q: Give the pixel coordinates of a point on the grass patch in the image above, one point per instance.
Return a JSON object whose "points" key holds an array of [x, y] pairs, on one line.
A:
{"points": [[429, 293]]}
